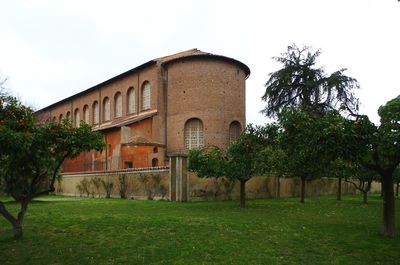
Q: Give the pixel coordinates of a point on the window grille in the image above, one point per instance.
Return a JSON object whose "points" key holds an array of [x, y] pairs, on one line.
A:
{"points": [[118, 105], [146, 94], [235, 130], [86, 114], [131, 101], [194, 134], [96, 113], [106, 109], [77, 118]]}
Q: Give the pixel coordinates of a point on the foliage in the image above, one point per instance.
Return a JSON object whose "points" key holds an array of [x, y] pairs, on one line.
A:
{"points": [[96, 181], [243, 159], [123, 185], [108, 187], [99, 231], [84, 187], [31, 155], [299, 83], [308, 143]]}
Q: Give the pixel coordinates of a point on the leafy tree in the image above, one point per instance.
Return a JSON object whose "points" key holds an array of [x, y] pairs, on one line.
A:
{"points": [[31, 155], [376, 148], [299, 83], [307, 145], [357, 175], [242, 161]]}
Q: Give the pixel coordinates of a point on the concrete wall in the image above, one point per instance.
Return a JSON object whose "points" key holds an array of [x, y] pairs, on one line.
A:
{"points": [[137, 186], [201, 188]]}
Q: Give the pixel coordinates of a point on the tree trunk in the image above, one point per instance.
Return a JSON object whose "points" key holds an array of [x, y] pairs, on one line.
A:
{"points": [[339, 190], [397, 189], [303, 189], [388, 205], [15, 222], [365, 197], [17, 228], [382, 189], [242, 193], [277, 187]]}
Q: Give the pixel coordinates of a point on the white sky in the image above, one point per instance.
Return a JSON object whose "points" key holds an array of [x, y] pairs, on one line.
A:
{"points": [[53, 49]]}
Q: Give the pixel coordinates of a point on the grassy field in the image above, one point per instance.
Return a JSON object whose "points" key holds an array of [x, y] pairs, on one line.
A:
{"points": [[61, 230]]}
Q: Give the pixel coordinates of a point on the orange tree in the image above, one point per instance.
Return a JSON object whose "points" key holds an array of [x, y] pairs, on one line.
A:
{"points": [[244, 159], [31, 154]]}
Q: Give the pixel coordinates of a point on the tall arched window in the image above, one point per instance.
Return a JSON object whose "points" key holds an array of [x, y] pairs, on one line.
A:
{"points": [[234, 131], [131, 100], [77, 118], [118, 105], [146, 95], [106, 109], [194, 134], [96, 113], [60, 118], [68, 116], [86, 113]]}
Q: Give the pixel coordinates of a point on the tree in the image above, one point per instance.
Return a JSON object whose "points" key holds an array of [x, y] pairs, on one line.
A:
{"points": [[242, 161], [376, 148], [31, 155], [299, 83], [307, 145], [355, 174]]}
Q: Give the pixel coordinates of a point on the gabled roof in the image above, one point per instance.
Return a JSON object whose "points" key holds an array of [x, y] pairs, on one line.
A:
{"points": [[189, 54]]}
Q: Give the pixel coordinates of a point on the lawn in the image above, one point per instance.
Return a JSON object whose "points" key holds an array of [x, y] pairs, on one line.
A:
{"points": [[61, 230]]}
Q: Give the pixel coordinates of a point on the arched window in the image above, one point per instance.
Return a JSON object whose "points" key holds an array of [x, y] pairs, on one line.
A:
{"points": [[155, 150], [194, 134], [54, 119], [96, 114], [131, 101], [86, 114], [146, 95], [154, 162], [106, 109], [60, 118], [234, 131], [68, 116], [117, 105], [77, 118]]}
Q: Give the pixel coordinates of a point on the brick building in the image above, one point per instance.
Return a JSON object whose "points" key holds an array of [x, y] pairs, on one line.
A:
{"points": [[160, 108]]}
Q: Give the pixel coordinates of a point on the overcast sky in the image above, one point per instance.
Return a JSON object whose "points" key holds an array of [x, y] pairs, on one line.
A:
{"points": [[53, 49]]}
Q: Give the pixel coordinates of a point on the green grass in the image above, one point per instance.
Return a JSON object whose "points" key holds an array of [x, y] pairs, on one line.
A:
{"points": [[61, 230]]}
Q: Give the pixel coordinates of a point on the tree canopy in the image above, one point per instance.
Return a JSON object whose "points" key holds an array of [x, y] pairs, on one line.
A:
{"points": [[300, 83], [31, 154]]}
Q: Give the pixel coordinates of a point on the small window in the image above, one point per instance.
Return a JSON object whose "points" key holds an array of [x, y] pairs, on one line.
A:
{"points": [[146, 95], [118, 105], [128, 164], [68, 116], [106, 109], [235, 129], [194, 134], [86, 114], [77, 118], [154, 162], [155, 150], [96, 112], [131, 98], [60, 118]]}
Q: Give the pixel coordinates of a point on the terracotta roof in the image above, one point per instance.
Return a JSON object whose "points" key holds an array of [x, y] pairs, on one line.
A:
{"points": [[140, 140]]}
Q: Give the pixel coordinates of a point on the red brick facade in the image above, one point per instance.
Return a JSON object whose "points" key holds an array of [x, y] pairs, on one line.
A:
{"points": [[180, 101]]}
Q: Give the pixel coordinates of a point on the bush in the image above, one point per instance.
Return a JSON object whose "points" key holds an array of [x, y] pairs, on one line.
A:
{"points": [[108, 187]]}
